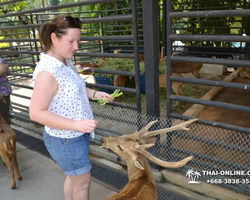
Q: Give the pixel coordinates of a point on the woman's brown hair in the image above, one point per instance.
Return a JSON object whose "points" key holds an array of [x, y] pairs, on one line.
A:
{"points": [[59, 26]]}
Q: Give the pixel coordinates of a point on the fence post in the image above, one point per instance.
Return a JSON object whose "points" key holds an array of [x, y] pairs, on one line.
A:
{"points": [[151, 56]]}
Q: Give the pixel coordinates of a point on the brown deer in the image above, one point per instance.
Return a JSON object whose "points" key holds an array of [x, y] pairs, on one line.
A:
{"points": [[8, 150], [120, 80], [176, 86], [132, 148], [91, 65], [245, 72], [178, 66], [161, 57], [186, 67]]}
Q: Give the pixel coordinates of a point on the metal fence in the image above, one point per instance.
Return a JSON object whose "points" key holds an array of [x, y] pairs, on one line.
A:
{"points": [[215, 150], [224, 38]]}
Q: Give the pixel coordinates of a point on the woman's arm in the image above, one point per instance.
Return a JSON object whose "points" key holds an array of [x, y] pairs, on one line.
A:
{"points": [[90, 93], [44, 89], [97, 94]]}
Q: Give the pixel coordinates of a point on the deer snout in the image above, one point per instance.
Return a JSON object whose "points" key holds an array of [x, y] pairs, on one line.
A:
{"points": [[107, 142], [104, 140]]}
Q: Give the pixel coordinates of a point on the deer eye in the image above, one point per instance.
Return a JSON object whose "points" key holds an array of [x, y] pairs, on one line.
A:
{"points": [[119, 147]]}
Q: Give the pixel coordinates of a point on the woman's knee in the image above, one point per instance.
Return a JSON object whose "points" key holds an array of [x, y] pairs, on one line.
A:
{"points": [[81, 181]]}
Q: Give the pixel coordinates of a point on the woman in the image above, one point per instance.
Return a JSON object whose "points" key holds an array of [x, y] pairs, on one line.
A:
{"points": [[5, 91], [60, 102]]}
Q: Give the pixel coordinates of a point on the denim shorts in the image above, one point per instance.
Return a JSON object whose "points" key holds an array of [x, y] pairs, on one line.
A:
{"points": [[72, 155]]}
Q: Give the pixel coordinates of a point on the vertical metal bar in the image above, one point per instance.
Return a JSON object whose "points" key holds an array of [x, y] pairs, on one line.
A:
{"points": [[137, 64], [102, 33], [151, 53], [169, 53], [164, 25], [169, 73], [31, 47], [151, 57], [247, 46], [34, 35], [159, 27]]}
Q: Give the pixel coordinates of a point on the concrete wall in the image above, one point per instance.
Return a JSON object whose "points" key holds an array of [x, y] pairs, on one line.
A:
{"points": [[213, 69]]}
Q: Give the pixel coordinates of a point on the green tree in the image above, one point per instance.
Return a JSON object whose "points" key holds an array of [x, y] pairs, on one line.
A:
{"points": [[13, 20], [54, 3], [208, 25]]}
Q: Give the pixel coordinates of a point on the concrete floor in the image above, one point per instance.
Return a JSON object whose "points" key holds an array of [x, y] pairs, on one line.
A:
{"points": [[42, 179]]}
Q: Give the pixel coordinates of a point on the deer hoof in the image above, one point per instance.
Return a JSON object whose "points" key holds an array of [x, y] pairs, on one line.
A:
{"points": [[20, 178], [13, 186]]}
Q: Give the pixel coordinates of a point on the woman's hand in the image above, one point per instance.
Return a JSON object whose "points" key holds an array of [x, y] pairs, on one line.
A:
{"points": [[85, 125], [104, 96]]}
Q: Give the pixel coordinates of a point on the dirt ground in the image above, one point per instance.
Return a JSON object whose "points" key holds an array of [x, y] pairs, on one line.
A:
{"points": [[230, 116]]}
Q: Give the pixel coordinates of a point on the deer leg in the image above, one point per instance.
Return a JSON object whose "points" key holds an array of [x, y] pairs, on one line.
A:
{"points": [[177, 87], [6, 160], [14, 159], [197, 75], [123, 96], [119, 98]]}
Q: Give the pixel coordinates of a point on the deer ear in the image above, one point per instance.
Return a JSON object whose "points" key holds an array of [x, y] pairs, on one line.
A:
{"points": [[138, 165]]}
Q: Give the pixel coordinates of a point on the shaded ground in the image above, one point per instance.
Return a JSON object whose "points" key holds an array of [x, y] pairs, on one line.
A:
{"points": [[230, 116]]}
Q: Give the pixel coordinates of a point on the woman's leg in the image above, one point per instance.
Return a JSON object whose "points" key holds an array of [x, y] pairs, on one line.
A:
{"points": [[80, 186], [68, 189]]}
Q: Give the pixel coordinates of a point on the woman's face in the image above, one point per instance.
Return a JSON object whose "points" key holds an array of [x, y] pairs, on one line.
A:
{"points": [[66, 46]]}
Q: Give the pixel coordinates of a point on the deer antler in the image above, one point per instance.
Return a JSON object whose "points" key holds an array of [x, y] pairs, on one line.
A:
{"points": [[145, 133], [141, 150]]}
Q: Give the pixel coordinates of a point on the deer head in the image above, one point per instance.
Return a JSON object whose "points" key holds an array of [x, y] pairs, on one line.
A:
{"points": [[132, 146], [117, 50]]}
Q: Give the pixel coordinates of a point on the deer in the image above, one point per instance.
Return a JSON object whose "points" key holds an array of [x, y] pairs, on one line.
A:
{"points": [[83, 65], [186, 67], [245, 73], [176, 86], [8, 150], [132, 148], [178, 66], [161, 57], [120, 80]]}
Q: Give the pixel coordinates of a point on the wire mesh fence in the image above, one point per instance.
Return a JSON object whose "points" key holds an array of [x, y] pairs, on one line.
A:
{"points": [[219, 154]]}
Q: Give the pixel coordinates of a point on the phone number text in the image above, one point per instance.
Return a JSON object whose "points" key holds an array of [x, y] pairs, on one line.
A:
{"points": [[228, 181]]}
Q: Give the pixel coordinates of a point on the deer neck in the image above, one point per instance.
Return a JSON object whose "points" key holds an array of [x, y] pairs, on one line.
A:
{"points": [[135, 173]]}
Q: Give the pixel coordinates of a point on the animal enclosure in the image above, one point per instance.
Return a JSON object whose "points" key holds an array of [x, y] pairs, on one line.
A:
{"points": [[220, 139]]}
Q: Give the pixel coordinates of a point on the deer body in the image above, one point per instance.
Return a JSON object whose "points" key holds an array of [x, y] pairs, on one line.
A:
{"points": [[176, 86], [91, 65], [120, 81], [245, 73], [187, 67], [8, 150], [141, 184]]}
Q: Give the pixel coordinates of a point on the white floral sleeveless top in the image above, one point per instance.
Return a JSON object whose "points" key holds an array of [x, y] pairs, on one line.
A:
{"points": [[71, 100]]}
